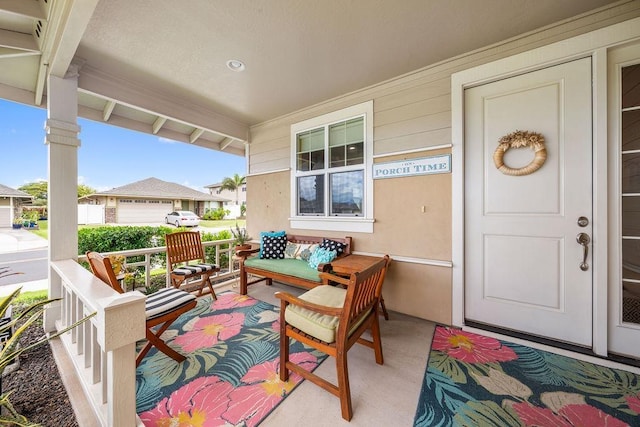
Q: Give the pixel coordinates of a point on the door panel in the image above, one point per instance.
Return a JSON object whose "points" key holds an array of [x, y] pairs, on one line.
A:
{"points": [[522, 260]]}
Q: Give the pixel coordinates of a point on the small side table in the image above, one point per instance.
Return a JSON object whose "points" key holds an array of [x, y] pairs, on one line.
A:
{"points": [[353, 264]]}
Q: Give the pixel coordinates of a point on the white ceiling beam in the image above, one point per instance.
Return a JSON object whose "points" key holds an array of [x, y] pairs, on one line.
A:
{"points": [[13, 53], [19, 41], [127, 93], [66, 25], [108, 109], [225, 143], [195, 135], [116, 120], [157, 125], [28, 9], [71, 26]]}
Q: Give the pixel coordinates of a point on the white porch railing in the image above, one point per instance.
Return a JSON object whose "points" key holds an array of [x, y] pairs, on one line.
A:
{"points": [[103, 349]]}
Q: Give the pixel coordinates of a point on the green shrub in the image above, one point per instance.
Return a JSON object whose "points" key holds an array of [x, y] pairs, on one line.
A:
{"points": [[210, 252], [122, 238], [216, 214]]}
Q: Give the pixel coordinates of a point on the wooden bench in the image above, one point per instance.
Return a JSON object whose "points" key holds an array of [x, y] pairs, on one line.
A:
{"points": [[274, 269]]}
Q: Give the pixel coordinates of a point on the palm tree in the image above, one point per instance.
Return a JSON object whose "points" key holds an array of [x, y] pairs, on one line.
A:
{"points": [[233, 184]]}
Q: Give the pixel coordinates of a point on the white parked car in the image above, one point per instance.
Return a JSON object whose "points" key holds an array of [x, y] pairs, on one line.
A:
{"points": [[182, 219]]}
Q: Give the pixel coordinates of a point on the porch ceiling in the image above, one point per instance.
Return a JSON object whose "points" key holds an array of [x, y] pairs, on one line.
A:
{"points": [[159, 66]]}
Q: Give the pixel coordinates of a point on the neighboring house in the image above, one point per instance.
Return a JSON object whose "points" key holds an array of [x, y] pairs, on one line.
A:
{"points": [[215, 189], [150, 200], [11, 201]]}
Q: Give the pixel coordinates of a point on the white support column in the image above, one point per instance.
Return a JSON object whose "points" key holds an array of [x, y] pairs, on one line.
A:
{"points": [[63, 142]]}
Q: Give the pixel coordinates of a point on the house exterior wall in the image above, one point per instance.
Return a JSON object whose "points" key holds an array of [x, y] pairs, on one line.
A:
{"points": [[231, 195], [412, 118]]}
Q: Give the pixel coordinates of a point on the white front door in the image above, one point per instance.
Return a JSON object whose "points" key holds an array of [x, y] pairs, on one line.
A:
{"points": [[522, 260]]}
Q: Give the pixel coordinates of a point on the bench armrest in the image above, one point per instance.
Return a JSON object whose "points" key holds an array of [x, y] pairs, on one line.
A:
{"points": [[245, 253]]}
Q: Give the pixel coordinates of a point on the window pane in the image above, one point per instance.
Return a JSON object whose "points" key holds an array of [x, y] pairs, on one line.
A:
{"points": [[355, 130], [346, 132], [631, 130], [311, 195], [337, 156], [631, 173], [631, 86], [631, 216], [355, 154], [317, 160], [303, 162], [310, 140], [347, 189]]}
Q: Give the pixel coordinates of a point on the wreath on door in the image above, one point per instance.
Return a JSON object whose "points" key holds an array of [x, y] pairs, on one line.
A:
{"points": [[519, 139]]}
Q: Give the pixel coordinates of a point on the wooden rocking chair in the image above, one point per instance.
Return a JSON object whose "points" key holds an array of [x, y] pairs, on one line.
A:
{"points": [[182, 249], [162, 308], [332, 319]]}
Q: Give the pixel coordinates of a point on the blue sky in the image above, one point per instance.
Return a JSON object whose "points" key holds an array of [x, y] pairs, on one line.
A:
{"points": [[108, 157]]}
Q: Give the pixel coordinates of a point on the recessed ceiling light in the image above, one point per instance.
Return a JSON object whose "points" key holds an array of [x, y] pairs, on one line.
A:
{"points": [[235, 65]]}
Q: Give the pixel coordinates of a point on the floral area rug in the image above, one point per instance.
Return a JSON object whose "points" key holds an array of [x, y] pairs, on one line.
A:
{"points": [[230, 376], [473, 380]]}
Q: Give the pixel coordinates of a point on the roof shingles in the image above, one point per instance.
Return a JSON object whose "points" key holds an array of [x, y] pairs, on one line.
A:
{"points": [[154, 187]]}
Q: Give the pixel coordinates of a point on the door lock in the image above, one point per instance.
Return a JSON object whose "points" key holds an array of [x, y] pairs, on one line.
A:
{"points": [[584, 240], [583, 221]]}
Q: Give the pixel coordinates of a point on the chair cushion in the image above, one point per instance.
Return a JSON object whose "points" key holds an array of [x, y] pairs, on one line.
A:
{"points": [[187, 270], [320, 326], [165, 301]]}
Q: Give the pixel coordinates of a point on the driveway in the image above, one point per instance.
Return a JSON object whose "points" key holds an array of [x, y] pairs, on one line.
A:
{"points": [[22, 250], [12, 240]]}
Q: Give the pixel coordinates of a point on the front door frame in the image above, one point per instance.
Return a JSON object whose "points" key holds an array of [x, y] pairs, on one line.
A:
{"points": [[595, 45]]}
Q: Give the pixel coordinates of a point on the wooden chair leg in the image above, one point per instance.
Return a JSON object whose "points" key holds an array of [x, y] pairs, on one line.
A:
{"points": [[377, 342], [343, 385], [154, 340], [284, 355], [384, 308]]}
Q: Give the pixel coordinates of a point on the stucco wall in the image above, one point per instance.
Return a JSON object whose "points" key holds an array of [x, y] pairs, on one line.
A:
{"points": [[411, 113]]}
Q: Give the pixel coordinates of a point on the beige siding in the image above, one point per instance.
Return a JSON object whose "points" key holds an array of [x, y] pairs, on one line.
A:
{"points": [[411, 112]]}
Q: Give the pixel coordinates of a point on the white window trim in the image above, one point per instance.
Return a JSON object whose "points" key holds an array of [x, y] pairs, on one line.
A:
{"points": [[362, 224]]}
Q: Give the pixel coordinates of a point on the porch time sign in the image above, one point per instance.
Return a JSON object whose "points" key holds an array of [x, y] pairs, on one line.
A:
{"points": [[423, 166]]}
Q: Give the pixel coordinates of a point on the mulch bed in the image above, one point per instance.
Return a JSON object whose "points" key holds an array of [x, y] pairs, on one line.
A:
{"points": [[38, 392]]}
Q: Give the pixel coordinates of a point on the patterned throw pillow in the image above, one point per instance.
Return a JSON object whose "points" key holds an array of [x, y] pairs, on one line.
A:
{"points": [[269, 234], [305, 250], [332, 245], [321, 256], [291, 251], [273, 247]]}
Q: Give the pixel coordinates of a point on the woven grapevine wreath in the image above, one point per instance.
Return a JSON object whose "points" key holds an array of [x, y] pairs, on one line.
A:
{"points": [[520, 139]]}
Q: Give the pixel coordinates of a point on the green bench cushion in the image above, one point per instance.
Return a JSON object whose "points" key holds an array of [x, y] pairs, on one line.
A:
{"points": [[288, 266]]}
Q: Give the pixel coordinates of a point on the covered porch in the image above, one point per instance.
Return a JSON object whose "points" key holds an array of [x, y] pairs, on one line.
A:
{"points": [[247, 79]]}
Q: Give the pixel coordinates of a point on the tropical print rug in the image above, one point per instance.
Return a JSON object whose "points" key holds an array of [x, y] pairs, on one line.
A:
{"points": [[230, 376], [473, 380]]}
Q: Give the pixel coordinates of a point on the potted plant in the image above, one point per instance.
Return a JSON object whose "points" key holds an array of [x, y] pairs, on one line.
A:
{"points": [[241, 237], [17, 223]]}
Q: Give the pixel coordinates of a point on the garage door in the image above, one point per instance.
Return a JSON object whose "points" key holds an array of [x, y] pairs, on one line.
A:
{"points": [[136, 211], [5, 216]]}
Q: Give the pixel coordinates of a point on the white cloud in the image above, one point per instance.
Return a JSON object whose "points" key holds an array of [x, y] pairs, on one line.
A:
{"points": [[167, 140], [81, 180]]}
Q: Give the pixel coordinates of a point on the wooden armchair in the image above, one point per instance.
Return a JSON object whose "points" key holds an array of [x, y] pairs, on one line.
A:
{"points": [[162, 308], [332, 319], [183, 248]]}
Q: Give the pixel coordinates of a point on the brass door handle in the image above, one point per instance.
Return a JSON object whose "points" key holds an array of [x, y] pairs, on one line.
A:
{"points": [[584, 240]]}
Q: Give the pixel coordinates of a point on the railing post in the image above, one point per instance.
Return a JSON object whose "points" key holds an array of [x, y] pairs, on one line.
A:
{"points": [[121, 322]]}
